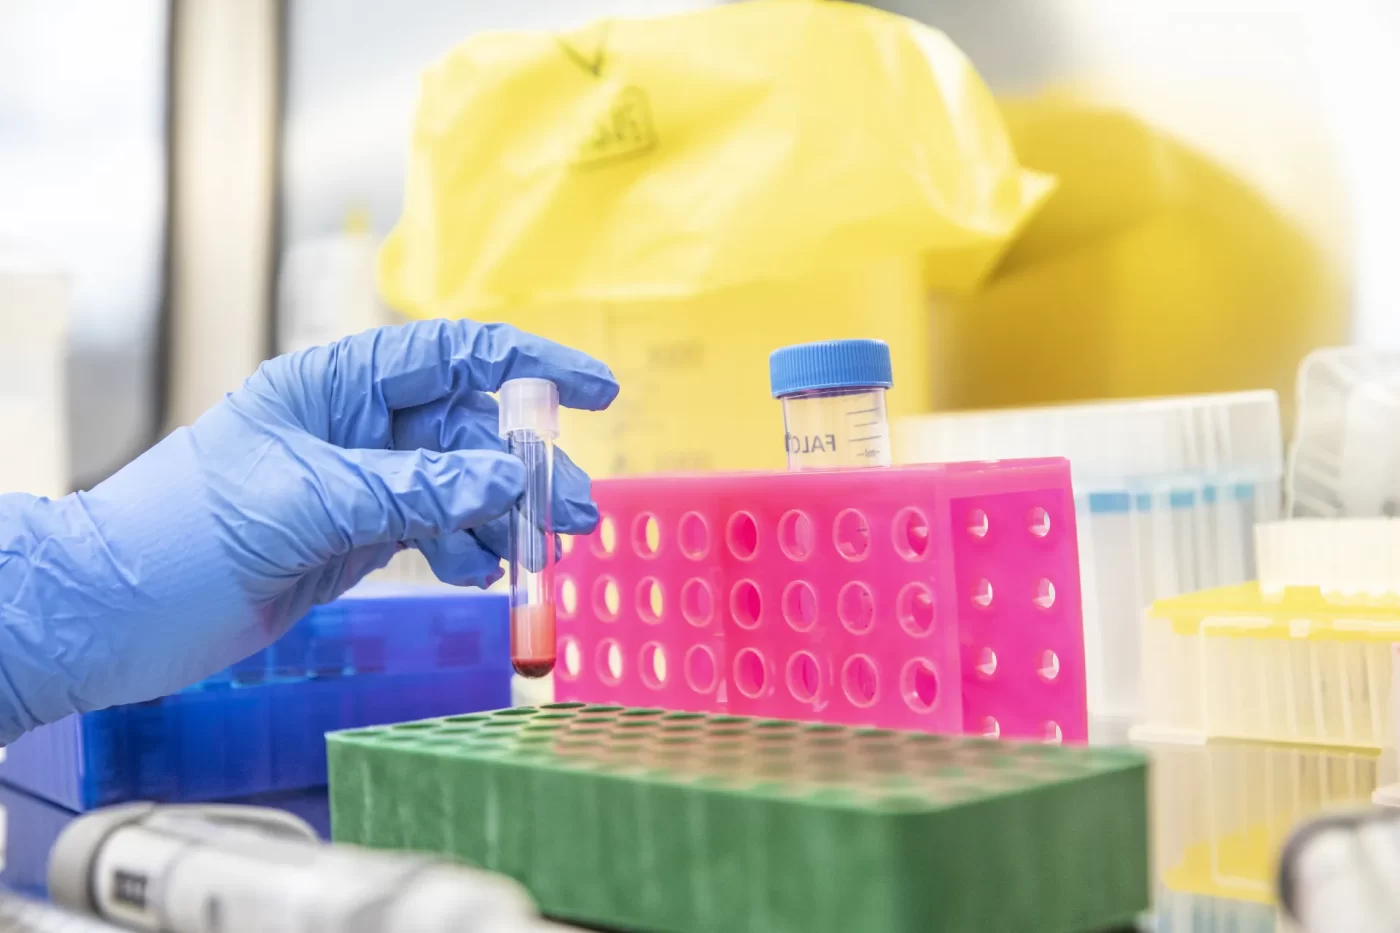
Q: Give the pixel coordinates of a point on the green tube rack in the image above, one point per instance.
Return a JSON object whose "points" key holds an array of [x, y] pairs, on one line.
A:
{"points": [[642, 819]]}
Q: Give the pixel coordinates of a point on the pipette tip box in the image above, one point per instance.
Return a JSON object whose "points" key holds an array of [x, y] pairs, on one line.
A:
{"points": [[378, 655], [646, 819], [1222, 809], [1297, 667], [1173, 912]]}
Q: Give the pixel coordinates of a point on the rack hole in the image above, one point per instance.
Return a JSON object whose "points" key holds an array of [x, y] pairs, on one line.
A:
{"points": [[982, 593], [646, 535], [605, 542], [978, 524], [693, 534], [991, 728], [914, 608], [920, 685], [911, 538], [746, 604], [607, 599], [1049, 666], [750, 672], [1044, 594], [855, 607], [804, 678], [697, 605], [650, 603], [1054, 735], [860, 681], [796, 535], [573, 661], [652, 665], [742, 535], [852, 535], [566, 545], [700, 670], [1038, 522], [609, 662], [800, 605], [568, 597], [986, 662]]}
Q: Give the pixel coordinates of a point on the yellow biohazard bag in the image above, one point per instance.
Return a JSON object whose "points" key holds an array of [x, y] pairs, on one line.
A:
{"points": [[680, 196], [1152, 270]]}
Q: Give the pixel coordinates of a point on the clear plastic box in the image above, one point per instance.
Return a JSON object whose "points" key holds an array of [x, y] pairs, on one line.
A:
{"points": [[1173, 912], [1221, 810], [1192, 913], [1233, 663], [1166, 493], [1345, 457]]}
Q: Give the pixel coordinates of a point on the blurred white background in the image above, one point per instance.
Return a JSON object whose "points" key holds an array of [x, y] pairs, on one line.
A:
{"points": [[1295, 96], [83, 184]]}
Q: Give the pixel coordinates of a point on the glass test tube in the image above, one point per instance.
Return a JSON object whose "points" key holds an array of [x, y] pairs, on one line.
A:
{"points": [[833, 396], [530, 424]]}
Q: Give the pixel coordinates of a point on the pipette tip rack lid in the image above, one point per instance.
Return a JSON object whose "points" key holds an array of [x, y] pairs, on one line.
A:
{"points": [[1342, 557], [830, 364], [1234, 437]]}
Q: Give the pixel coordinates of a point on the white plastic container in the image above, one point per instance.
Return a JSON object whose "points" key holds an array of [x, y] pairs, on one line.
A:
{"points": [[1345, 457], [1167, 492], [1345, 558], [34, 298]]}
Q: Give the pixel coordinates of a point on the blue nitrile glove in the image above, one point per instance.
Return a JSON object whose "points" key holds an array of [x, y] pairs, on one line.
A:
{"points": [[208, 546]]}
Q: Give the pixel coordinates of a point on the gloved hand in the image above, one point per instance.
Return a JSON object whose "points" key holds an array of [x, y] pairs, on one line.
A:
{"points": [[212, 543]]}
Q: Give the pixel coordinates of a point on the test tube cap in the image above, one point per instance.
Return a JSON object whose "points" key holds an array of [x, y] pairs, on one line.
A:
{"points": [[830, 364], [529, 404]]}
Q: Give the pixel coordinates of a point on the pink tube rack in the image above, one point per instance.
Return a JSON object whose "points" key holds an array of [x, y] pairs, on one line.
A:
{"points": [[943, 598]]}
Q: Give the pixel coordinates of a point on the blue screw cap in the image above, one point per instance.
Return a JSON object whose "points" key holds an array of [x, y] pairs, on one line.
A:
{"points": [[830, 364]]}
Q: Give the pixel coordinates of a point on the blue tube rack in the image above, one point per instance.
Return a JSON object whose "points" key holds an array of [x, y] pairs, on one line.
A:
{"points": [[372, 657], [31, 825]]}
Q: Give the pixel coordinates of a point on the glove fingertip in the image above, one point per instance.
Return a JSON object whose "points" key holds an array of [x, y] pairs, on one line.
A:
{"points": [[576, 518], [591, 391], [575, 512], [459, 560]]}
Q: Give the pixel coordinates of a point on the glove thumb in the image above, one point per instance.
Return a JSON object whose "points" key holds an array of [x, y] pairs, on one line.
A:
{"points": [[386, 496]]}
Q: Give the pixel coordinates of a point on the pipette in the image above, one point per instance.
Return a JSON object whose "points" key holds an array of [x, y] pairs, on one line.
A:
{"points": [[1340, 873], [230, 869], [833, 396], [23, 915], [530, 425]]}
